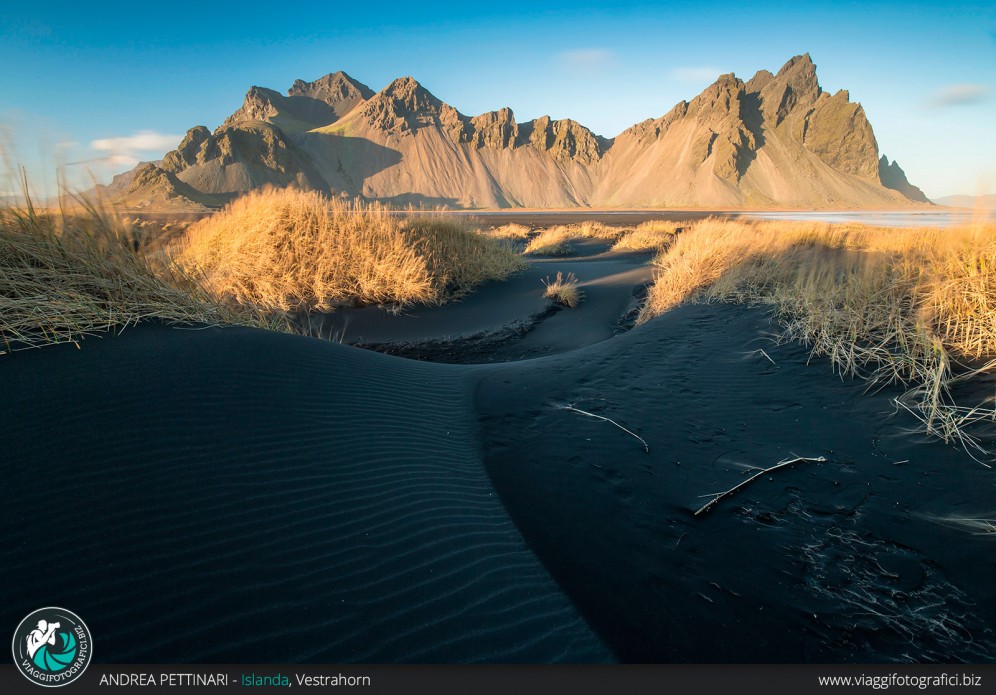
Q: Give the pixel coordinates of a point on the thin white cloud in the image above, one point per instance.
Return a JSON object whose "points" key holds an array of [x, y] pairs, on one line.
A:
{"points": [[959, 95], [122, 160], [144, 140], [698, 74], [588, 59], [117, 160], [126, 151]]}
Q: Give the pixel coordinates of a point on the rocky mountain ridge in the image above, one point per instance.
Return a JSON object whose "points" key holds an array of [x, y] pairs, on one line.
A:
{"points": [[776, 140]]}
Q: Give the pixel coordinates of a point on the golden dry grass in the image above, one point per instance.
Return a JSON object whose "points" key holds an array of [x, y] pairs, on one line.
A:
{"points": [[552, 241], [563, 289], [555, 241], [67, 274], [518, 232], [916, 306], [655, 235], [283, 250], [64, 275]]}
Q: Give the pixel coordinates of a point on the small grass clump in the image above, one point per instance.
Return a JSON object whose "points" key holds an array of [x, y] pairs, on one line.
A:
{"points": [[555, 241], [655, 235], [552, 241], [910, 306], [563, 290], [516, 232], [65, 275], [290, 250]]}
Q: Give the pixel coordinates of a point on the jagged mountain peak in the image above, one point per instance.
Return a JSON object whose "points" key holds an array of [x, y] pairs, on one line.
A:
{"points": [[565, 139], [260, 104], [405, 106], [800, 74], [410, 92], [307, 105], [405, 95], [721, 96], [894, 177], [335, 84], [802, 62], [494, 129], [758, 81], [794, 86]]}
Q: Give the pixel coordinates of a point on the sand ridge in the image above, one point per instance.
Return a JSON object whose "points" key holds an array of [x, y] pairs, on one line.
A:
{"points": [[246, 487]]}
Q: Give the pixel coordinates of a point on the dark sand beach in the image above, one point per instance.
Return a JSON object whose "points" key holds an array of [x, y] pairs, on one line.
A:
{"points": [[234, 495]]}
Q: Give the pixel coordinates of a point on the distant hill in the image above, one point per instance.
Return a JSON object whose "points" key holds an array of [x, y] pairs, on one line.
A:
{"points": [[773, 141], [986, 202]]}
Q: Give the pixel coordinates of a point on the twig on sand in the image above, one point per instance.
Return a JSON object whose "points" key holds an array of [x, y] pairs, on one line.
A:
{"points": [[766, 356], [570, 406], [717, 496]]}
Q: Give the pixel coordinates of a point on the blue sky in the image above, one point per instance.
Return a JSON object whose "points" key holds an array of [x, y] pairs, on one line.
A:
{"points": [[98, 86]]}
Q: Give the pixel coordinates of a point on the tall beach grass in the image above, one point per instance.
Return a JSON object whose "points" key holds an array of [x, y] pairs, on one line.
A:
{"points": [[913, 306], [290, 250], [654, 235], [66, 274]]}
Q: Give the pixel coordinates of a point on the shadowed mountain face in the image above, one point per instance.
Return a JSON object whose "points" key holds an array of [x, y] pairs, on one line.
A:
{"points": [[773, 141], [895, 178]]}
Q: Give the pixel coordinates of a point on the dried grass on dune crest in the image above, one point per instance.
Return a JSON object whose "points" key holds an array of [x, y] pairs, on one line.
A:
{"points": [[655, 235], [518, 232], [289, 250], [555, 241], [64, 275], [914, 306]]}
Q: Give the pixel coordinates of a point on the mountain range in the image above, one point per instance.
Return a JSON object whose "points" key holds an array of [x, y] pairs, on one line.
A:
{"points": [[974, 202], [776, 140]]}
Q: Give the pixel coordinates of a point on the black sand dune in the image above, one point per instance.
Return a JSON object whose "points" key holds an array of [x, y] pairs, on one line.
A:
{"points": [[231, 495], [234, 495], [820, 562]]}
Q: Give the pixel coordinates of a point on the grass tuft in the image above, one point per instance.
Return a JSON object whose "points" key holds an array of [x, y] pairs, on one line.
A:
{"points": [[563, 290], [555, 241], [655, 235], [517, 232]]}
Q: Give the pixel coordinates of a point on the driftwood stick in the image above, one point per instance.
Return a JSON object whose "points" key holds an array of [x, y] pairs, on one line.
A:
{"points": [[766, 356], [646, 447], [717, 496]]}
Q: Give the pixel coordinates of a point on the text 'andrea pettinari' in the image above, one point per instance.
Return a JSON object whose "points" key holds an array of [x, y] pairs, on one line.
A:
{"points": [[243, 679]]}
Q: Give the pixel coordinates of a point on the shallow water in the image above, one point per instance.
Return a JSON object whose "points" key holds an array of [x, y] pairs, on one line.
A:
{"points": [[924, 218], [940, 217]]}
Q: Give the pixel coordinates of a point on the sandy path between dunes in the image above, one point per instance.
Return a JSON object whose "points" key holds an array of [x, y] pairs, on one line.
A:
{"points": [[511, 320]]}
